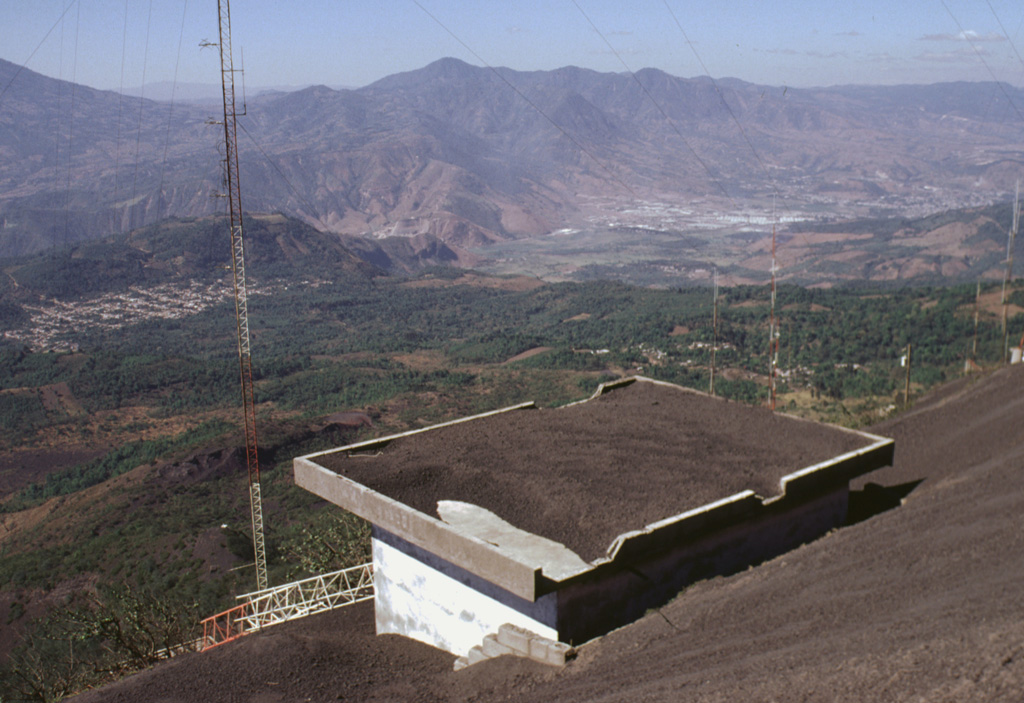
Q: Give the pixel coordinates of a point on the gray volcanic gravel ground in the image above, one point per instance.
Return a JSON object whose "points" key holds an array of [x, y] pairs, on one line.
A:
{"points": [[331, 657], [584, 474], [919, 601]]}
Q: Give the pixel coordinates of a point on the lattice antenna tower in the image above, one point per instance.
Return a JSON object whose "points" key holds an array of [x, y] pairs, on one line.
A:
{"points": [[234, 197], [1008, 276], [773, 326]]}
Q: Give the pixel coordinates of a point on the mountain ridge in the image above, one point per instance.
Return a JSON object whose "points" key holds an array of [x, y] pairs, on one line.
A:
{"points": [[451, 151]]}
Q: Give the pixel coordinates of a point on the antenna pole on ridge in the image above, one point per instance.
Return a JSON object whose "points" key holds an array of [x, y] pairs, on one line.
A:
{"points": [[974, 344], [1008, 276], [773, 332], [906, 385]]}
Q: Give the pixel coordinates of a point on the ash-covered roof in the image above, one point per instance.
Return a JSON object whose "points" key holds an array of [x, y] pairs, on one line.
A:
{"points": [[583, 474]]}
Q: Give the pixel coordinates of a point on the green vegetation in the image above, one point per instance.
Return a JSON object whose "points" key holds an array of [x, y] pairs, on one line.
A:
{"points": [[21, 413], [329, 346], [331, 538], [104, 379], [95, 638], [116, 462]]}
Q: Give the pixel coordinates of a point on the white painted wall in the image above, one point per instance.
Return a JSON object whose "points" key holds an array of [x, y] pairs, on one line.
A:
{"points": [[417, 601]]}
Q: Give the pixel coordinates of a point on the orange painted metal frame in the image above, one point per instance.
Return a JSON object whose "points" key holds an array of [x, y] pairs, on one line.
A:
{"points": [[225, 627]]}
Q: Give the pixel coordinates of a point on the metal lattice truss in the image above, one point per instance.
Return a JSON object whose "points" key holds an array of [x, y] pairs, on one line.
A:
{"points": [[224, 627], [273, 606], [175, 650], [298, 599]]}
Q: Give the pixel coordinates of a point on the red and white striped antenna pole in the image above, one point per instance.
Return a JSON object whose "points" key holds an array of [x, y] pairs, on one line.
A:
{"points": [[234, 197]]}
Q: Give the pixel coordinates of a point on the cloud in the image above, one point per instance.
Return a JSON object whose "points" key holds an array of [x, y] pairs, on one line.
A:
{"points": [[851, 33], [634, 51], [958, 56], [620, 33], [967, 35], [812, 54], [514, 29], [884, 57]]}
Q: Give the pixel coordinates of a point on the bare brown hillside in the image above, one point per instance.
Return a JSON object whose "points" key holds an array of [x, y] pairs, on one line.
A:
{"points": [[450, 158], [924, 601]]}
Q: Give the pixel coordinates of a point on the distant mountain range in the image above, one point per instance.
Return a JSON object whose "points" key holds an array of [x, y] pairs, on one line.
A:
{"points": [[204, 93], [453, 157]]}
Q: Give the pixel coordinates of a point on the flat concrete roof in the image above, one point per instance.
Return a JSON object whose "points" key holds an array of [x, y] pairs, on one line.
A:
{"points": [[583, 474]]}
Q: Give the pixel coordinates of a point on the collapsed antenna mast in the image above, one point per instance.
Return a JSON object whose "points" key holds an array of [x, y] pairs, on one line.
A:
{"points": [[234, 196], [773, 332]]}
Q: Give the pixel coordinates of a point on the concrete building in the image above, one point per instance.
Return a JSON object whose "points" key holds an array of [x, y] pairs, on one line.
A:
{"points": [[570, 522]]}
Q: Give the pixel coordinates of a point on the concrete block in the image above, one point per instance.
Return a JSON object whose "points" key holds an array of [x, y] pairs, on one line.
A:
{"points": [[539, 649], [461, 663], [476, 655], [515, 638], [493, 648], [559, 653], [550, 652]]}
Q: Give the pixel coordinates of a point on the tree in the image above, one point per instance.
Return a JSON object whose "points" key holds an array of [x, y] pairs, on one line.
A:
{"points": [[103, 634], [333, 540]]}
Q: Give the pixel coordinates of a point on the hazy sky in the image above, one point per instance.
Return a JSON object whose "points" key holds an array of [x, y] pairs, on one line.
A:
{"points": [[110, 43]]}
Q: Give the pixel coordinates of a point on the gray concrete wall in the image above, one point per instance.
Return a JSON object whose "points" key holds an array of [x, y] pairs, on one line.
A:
{"points": [[418, 601], [617, 593], [541, 609], [420, 529], [430, 599]]}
